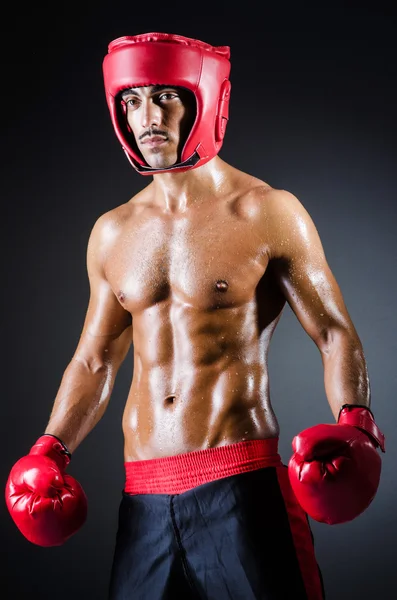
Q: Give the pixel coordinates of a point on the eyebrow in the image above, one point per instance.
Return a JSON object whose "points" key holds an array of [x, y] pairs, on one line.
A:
{"points": [[155, 88]]}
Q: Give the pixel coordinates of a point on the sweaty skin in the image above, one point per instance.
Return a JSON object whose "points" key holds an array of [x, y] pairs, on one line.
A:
{"points": [[194, 271], [199, 290]]}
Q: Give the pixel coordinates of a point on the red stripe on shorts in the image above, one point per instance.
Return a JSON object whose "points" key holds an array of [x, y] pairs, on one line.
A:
{"points": [[177, 474], [302, 538]]}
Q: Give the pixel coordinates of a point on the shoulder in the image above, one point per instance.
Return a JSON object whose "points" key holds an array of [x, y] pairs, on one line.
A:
{"points": [[249, 195], [292, 232], [282, 219], [108, 222], [269, 204], [280, 208], [106, 231], [280, 202], [253, 191], [108, 225]]}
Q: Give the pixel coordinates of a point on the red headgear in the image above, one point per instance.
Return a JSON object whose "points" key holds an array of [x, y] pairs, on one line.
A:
{"points": [[168, 59]]}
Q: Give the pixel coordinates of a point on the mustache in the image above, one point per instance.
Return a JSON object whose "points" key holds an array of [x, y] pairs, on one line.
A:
{"points": [[152, 132]]}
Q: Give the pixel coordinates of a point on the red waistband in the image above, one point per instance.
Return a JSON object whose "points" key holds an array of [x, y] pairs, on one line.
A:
{"points": [[177, 474]]}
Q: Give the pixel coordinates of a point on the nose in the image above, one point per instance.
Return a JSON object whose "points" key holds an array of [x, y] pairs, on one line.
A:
{"points": [[151, 114]]}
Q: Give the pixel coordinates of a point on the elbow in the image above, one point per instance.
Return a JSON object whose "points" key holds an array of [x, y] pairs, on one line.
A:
{"points": [[336, 338], [324, 340], [95, 365]]}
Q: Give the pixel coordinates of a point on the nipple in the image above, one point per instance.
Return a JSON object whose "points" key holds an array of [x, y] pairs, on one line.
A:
{"points": [[221, 285], [121, 296]]}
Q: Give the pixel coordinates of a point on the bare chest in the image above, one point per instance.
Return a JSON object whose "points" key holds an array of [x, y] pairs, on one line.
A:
{"points": [[205, 262]]}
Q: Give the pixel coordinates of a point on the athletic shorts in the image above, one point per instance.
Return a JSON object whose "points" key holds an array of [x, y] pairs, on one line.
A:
{"points": [[216, 524]]}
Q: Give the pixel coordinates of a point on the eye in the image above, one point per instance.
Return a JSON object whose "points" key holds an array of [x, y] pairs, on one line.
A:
{"points": [[168, 96], [130, 102]]}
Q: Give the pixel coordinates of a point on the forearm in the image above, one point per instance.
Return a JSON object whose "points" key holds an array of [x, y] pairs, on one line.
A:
{"points": [[345, 371], [81, 401]]}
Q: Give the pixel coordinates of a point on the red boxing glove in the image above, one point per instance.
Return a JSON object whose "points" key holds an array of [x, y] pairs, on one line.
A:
{"points": [[335, 469], [46, 505]]}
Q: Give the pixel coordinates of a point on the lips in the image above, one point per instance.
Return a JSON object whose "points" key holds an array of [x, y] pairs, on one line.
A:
{"points": [[154, 140]]}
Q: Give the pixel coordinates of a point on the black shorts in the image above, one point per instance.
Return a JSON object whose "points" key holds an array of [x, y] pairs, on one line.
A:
{"points": [[243, 537]]}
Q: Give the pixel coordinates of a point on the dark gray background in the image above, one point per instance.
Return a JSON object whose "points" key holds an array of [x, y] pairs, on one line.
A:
{"points": [[312, 111]]}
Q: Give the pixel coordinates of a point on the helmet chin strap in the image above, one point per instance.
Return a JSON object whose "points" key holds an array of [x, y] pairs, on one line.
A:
{"points": [[188, 163]]}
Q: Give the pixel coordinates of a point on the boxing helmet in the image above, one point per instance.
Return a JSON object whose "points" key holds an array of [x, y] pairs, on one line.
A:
{"points": [[175, 60]]}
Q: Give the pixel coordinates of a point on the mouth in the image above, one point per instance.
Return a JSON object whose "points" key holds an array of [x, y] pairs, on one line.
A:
{"points": [[155, 140]]}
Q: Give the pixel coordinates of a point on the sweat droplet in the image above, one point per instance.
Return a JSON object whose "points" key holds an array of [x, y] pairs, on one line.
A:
{"points": [[221, 285]]}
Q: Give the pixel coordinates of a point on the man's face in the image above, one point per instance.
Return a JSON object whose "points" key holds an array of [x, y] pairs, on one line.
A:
{"points": [[160, 117]]}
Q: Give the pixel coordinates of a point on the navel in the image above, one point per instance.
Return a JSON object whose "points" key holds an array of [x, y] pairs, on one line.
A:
{"points": [[169, 400], [222, 285]]}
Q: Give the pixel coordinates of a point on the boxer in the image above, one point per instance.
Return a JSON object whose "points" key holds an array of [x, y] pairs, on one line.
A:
{"points": [[194, 271]]}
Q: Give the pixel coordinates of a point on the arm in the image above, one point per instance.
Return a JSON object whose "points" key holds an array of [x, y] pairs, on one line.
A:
{"points": [[47, 504], [335, 469], [89, 378], [311, 290]]}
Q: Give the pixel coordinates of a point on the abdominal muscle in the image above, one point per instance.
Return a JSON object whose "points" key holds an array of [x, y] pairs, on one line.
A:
{"points": [[174, 409]]}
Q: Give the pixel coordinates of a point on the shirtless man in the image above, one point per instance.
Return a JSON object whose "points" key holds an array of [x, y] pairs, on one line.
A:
{"points": [[194, 271]]}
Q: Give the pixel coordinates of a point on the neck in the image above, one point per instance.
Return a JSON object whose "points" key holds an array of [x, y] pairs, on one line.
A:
{"points": [[177, 192]]}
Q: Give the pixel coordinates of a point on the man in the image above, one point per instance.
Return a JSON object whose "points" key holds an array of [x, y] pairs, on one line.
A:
{"points": [[195, 270]]}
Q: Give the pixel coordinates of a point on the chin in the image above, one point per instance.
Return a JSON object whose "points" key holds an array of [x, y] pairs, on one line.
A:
{"points": [[160, 162]]}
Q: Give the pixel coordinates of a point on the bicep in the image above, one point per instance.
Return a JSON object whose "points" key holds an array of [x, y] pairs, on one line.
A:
{"points": [[107, 331], [306, 279]]}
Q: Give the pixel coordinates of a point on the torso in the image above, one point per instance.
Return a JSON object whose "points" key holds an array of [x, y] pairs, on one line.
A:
{"points": [[204, 305]]}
